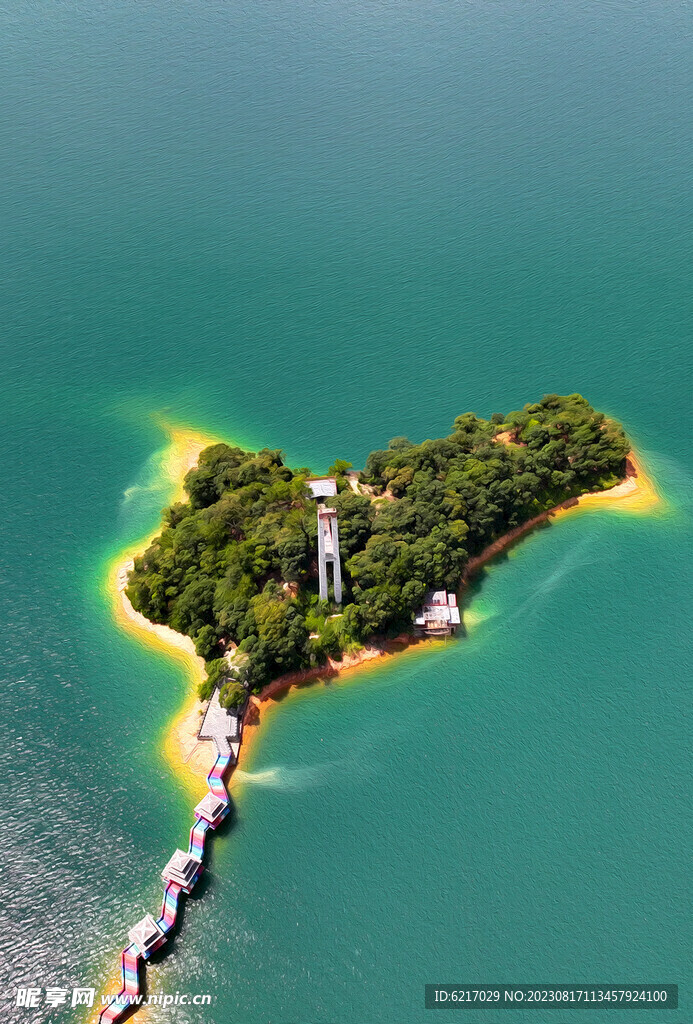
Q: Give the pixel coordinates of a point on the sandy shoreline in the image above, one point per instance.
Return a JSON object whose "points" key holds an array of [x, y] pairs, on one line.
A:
{"points": [[636, 493], [181, 746], [191, 758], [188, 757]]}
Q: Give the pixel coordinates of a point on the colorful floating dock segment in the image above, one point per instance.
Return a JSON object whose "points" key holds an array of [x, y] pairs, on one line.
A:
{"points": [[148, 935]]}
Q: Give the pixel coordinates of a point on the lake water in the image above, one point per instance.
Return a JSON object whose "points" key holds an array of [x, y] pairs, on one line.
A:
{"points": [[315, 226]]}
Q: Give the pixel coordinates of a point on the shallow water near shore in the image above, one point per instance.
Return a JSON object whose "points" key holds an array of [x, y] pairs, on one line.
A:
{"points": [[316, 227]]}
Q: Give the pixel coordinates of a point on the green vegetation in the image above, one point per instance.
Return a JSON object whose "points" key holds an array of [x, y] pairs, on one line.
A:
{"points": [[232, 695], [235, 566]]}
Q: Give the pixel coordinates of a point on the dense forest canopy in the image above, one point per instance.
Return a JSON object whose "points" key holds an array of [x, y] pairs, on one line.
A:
{"points": [[235, 566]]}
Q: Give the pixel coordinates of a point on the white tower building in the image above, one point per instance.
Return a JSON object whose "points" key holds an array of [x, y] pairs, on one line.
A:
{"points": [[328, 551]]}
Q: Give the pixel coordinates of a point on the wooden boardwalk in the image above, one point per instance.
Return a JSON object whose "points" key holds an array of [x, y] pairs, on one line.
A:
{"points": [[180, 875]]}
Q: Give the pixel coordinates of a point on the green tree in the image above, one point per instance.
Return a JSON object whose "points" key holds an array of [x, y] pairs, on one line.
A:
{"points": [[207, 642], [232, 695]]}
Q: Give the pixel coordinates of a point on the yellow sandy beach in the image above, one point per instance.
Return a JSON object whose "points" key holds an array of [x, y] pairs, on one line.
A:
{"points": [[637, 493], [188, 757]]}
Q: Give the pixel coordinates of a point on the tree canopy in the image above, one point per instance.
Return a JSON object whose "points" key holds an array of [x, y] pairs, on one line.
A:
{"points": [[235, 568]]}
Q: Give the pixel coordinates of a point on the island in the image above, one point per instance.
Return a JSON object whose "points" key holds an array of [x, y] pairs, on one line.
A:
{"points": [[237, 567]]}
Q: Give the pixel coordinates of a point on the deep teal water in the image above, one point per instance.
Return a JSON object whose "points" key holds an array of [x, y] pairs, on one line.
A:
{"points": [[316, 226]]}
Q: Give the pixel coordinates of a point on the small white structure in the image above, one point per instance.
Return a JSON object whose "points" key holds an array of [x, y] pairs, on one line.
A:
{"points": [[211, 808], [439, 615], [322, 486], [146, 935], [183, 869]]}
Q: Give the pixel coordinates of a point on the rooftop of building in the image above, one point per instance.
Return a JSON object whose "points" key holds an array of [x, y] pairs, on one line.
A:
{"points": [[439, 611], [322, 486], [211, 807], [146, 934], [181, 869]]}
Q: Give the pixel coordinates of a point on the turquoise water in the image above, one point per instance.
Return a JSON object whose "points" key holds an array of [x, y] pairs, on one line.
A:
{"points": [[319, 225]]}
